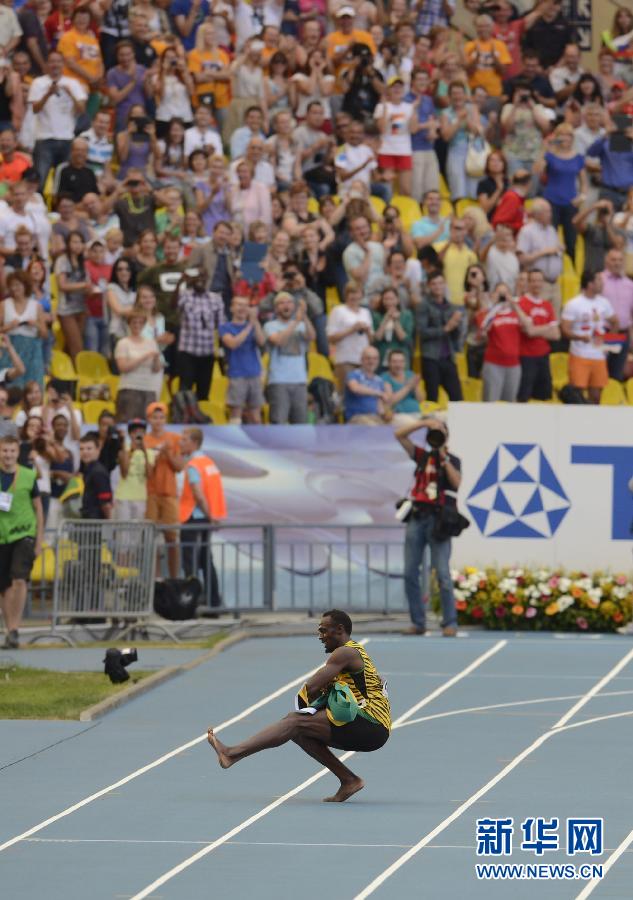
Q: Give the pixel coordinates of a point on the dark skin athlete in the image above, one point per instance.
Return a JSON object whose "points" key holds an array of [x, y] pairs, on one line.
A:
{"points": [[311, 733]]}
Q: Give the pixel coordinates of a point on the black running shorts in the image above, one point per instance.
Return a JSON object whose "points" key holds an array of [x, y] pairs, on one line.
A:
{"points": [[360, 735]]}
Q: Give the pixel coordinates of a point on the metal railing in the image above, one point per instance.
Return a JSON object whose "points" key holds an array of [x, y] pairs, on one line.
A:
{"points": [[271, 567]]}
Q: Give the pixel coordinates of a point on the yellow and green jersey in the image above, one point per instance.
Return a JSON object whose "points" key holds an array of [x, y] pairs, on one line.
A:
{"points": [[368, 688]]}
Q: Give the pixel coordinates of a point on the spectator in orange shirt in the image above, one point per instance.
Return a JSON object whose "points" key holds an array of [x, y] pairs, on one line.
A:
{"points": [[13, 164], [162, 493], [339, 43], [209, 67], [487, 59], [82, 57]]}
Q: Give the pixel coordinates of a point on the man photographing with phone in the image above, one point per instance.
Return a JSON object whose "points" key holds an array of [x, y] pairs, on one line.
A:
{"points": [[432, 502]]}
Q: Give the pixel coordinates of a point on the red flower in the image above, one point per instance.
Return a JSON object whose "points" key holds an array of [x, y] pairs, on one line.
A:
{"points": [[461, 605], [477, 612], [582, 623], [500, 611]]}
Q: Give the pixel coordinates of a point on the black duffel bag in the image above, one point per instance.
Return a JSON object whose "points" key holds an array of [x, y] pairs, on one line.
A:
{"points": [[449, 522], [177, 599]]}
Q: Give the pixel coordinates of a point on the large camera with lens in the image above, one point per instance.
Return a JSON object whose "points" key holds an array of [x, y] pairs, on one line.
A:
{"points": [[363, 54], [112, 446], [436, 438]]}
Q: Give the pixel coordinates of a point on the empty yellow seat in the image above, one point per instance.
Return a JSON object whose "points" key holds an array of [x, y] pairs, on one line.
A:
{"points": [[62, 366], [559, 367], [378, 204], [408, 208], [319, 367], [92, 365], [629, 391], [613, 394], [472, 389], [92, 409]]}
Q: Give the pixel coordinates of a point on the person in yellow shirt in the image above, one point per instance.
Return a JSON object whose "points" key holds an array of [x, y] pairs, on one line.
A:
{"points": [[82, 57], [338, 43], [487, 59], [209, 67], [456, 258]]}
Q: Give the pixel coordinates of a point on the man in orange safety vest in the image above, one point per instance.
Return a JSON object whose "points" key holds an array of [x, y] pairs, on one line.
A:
{"points": [[202, 505]]}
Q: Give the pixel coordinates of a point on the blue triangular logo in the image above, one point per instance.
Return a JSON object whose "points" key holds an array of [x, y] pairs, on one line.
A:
{"points": [[555, 517], [548, 479], [489, 475], [534, 504], [480, 516], [519, 450], [501, 503], [517, 529], [519, 475]]}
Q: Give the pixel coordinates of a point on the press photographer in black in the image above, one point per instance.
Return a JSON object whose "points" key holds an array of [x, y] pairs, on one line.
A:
{"points": [[431, 520], [362, 83]]}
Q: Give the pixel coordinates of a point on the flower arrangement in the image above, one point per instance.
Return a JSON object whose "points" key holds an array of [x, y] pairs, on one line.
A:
{"points": [[541, 600]]}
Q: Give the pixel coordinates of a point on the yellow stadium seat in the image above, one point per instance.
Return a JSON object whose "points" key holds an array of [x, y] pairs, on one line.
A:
{"points": [[219, 387], [332, 298], [48, 188], [319, 367], [613, 394], [559, 367], [444, 191], [44, 566], [472, 389], [58, 334], [52, 282], [378, 204], [62, 366], [569, 286], [462, 365], [568, 265], [92, 365], [408, 208], [92, 409], [629, 391], [580, 254], [442, 399], [462, 205], [429, 406]]}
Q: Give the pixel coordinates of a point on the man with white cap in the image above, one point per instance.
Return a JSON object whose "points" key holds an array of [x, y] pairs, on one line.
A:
{"points": [[340, 41]]}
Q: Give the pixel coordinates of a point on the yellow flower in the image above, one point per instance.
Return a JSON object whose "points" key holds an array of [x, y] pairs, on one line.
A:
{"points": [[518, 610], [551, 609]]}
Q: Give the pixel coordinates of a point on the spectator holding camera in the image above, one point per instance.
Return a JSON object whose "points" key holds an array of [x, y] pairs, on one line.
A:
{"points": [[135, 465], [524, 122], [136, 146], [600, 235], [437, 479]]}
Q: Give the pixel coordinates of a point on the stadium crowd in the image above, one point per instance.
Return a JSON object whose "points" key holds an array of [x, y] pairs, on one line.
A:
{"points": [[431, 195]]}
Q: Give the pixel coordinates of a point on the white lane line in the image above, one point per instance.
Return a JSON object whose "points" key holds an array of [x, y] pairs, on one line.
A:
{"points": [[443, 825], [596, 719], [475, 709], [617, 853], [161, 759], [223, 839], [204, 843]]}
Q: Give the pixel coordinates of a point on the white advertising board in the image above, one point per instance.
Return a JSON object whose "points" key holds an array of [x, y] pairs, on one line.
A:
{"points": [[544, 485]]}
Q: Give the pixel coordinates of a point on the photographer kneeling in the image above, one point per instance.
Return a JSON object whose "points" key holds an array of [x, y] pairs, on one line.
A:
{"points": [[437, 477]]}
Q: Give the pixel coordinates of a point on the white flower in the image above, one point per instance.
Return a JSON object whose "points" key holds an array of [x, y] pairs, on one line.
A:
{"points": [[565, 602], [595, 593], [544, 590], [515, 573], [564, 584], [542, 574], [608, 579], [621, 591], [585, 584]]}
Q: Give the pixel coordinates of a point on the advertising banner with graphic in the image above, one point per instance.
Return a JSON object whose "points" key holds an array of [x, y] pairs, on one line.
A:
{"points": [[545, 485]]}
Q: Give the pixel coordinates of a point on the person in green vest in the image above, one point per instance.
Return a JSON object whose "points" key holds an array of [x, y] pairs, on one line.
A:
{"points": [[21, 535]]}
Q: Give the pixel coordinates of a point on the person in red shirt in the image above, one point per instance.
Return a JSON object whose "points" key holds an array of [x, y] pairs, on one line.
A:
{"points": [[510, 209], [502, 324], [511, 31], [58, 23], [536, 376], [98, 271]]}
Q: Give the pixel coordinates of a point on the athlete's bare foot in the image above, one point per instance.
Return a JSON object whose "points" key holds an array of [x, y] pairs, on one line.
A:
{"points": [[220, 749], [346, 790]]}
